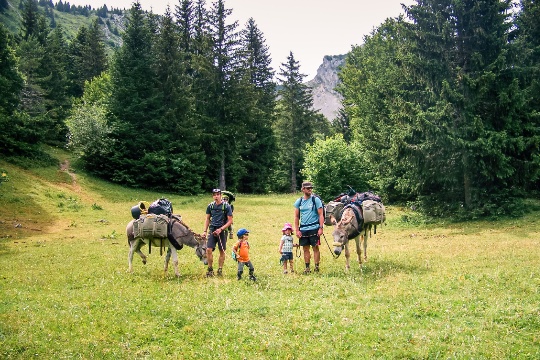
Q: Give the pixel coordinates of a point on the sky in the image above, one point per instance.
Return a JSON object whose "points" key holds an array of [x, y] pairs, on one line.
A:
{"points": [[310, 29]]}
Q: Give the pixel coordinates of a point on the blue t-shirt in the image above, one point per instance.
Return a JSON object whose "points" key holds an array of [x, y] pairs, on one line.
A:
{"points": [[309, 216]]}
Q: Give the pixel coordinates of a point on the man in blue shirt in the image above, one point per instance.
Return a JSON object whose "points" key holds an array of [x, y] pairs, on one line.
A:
{"points": [[309, 222]]}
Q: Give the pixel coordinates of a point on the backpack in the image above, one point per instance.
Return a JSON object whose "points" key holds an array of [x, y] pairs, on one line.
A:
{"points": [[233, 254], [223, 208], [150, 226], [161, 207], [333, 208]]}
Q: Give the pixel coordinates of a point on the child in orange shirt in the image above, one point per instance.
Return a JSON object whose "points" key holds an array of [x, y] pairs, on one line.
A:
{"points": [[241, 248]]}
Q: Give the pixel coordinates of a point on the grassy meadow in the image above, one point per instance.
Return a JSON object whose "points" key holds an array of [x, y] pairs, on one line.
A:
{"points": [[444, 291]]}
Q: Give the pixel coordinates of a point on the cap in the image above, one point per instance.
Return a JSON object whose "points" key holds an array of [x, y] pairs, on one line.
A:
{"points": [[216, 191], [307, 184], [242, 232], [287, 226]]}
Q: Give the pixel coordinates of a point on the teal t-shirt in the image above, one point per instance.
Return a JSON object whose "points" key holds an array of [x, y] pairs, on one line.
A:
{"points": [[309, 216]]}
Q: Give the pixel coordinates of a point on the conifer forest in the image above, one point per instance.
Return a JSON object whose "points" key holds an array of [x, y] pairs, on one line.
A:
{"points": [[441, 105]]}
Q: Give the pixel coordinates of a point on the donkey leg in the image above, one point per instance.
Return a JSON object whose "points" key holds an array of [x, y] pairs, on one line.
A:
{"points": [[347, 256], [175, 262], [135, 247], [130, 255], [365, 246], [143, 257], [357, 240], [167, 259]]}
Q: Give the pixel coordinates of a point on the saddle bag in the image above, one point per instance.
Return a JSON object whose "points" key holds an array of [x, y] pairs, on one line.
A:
{"points": [[333, 208], [374, 212], [150, 226]]}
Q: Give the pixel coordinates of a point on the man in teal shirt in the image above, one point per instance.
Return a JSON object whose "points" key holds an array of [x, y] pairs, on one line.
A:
{"points": [[309, 222]]}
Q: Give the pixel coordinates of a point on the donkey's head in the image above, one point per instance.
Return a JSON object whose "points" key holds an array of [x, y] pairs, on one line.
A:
{"points": [[342, 230], [200, 249]]}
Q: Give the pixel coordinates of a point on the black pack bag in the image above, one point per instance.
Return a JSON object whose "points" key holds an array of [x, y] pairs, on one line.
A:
{"points": [[161, 207]]}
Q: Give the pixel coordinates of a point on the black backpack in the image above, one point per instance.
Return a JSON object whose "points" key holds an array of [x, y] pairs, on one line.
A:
{"points": [[161, 207]]}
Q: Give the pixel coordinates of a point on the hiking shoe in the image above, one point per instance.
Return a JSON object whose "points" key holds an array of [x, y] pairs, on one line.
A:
{"points": [[220, 272], [252, 277], [316, 269], [210, 273], [285, 272], [307, 271]]}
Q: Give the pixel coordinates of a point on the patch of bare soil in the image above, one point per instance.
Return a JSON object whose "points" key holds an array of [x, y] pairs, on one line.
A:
{"points": [[65, 167]]}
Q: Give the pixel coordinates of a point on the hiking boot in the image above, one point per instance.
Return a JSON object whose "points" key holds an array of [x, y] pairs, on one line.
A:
{"points": [[210, 272], [252, 277], [220, 272], [316, 269], [307, 271], [239, 277]]}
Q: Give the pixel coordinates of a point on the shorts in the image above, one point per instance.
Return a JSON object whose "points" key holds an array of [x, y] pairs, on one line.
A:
{"points": [[310, 238], [286, 256], [221, 241]]}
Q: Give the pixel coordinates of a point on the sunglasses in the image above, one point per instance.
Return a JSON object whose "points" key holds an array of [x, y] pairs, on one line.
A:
{"points": [[216, 190]]}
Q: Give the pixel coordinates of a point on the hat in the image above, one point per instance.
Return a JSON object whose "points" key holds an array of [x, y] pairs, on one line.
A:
{"points": [[242, 232], [216, 191], [307, 184], [287, 226]]}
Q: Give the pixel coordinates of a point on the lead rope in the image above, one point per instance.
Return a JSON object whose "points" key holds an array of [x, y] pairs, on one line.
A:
{"points": [[327, 244]]}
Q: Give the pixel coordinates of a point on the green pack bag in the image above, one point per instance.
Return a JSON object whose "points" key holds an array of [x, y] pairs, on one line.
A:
{"points": [[150, 226]]}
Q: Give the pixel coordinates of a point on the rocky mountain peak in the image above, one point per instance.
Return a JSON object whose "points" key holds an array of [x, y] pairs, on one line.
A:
{"points": [[325, 99]]}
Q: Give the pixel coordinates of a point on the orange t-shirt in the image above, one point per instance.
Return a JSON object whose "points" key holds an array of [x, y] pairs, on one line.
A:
{"points": [[242, 248]]}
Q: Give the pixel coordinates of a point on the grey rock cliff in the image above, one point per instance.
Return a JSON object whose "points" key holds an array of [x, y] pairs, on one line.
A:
{"points": [[325, 99]]}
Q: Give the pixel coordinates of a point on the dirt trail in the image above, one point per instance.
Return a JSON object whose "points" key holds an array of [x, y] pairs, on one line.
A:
{"points": [[65, 167]]}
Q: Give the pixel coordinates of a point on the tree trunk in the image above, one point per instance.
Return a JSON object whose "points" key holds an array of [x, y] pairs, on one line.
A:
{"points": [[222, 184], [466, 182], [293, 177]]}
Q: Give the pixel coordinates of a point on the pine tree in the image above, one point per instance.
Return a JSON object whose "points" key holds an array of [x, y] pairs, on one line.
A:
{"points": [[182, 153], [381, 101], [56, 98], [295, 124], [30, 19], [527, 68], [11, 85], [461, 53], [222, 128], [257, 146], [11, 82], [133, 103], [88, 57]]}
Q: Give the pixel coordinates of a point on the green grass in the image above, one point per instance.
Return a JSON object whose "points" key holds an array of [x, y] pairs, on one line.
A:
{"points": [[451, 291]]}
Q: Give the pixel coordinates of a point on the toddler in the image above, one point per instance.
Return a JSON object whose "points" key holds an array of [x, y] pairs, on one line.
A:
{"points": [[241, 248], [286, 247]]}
